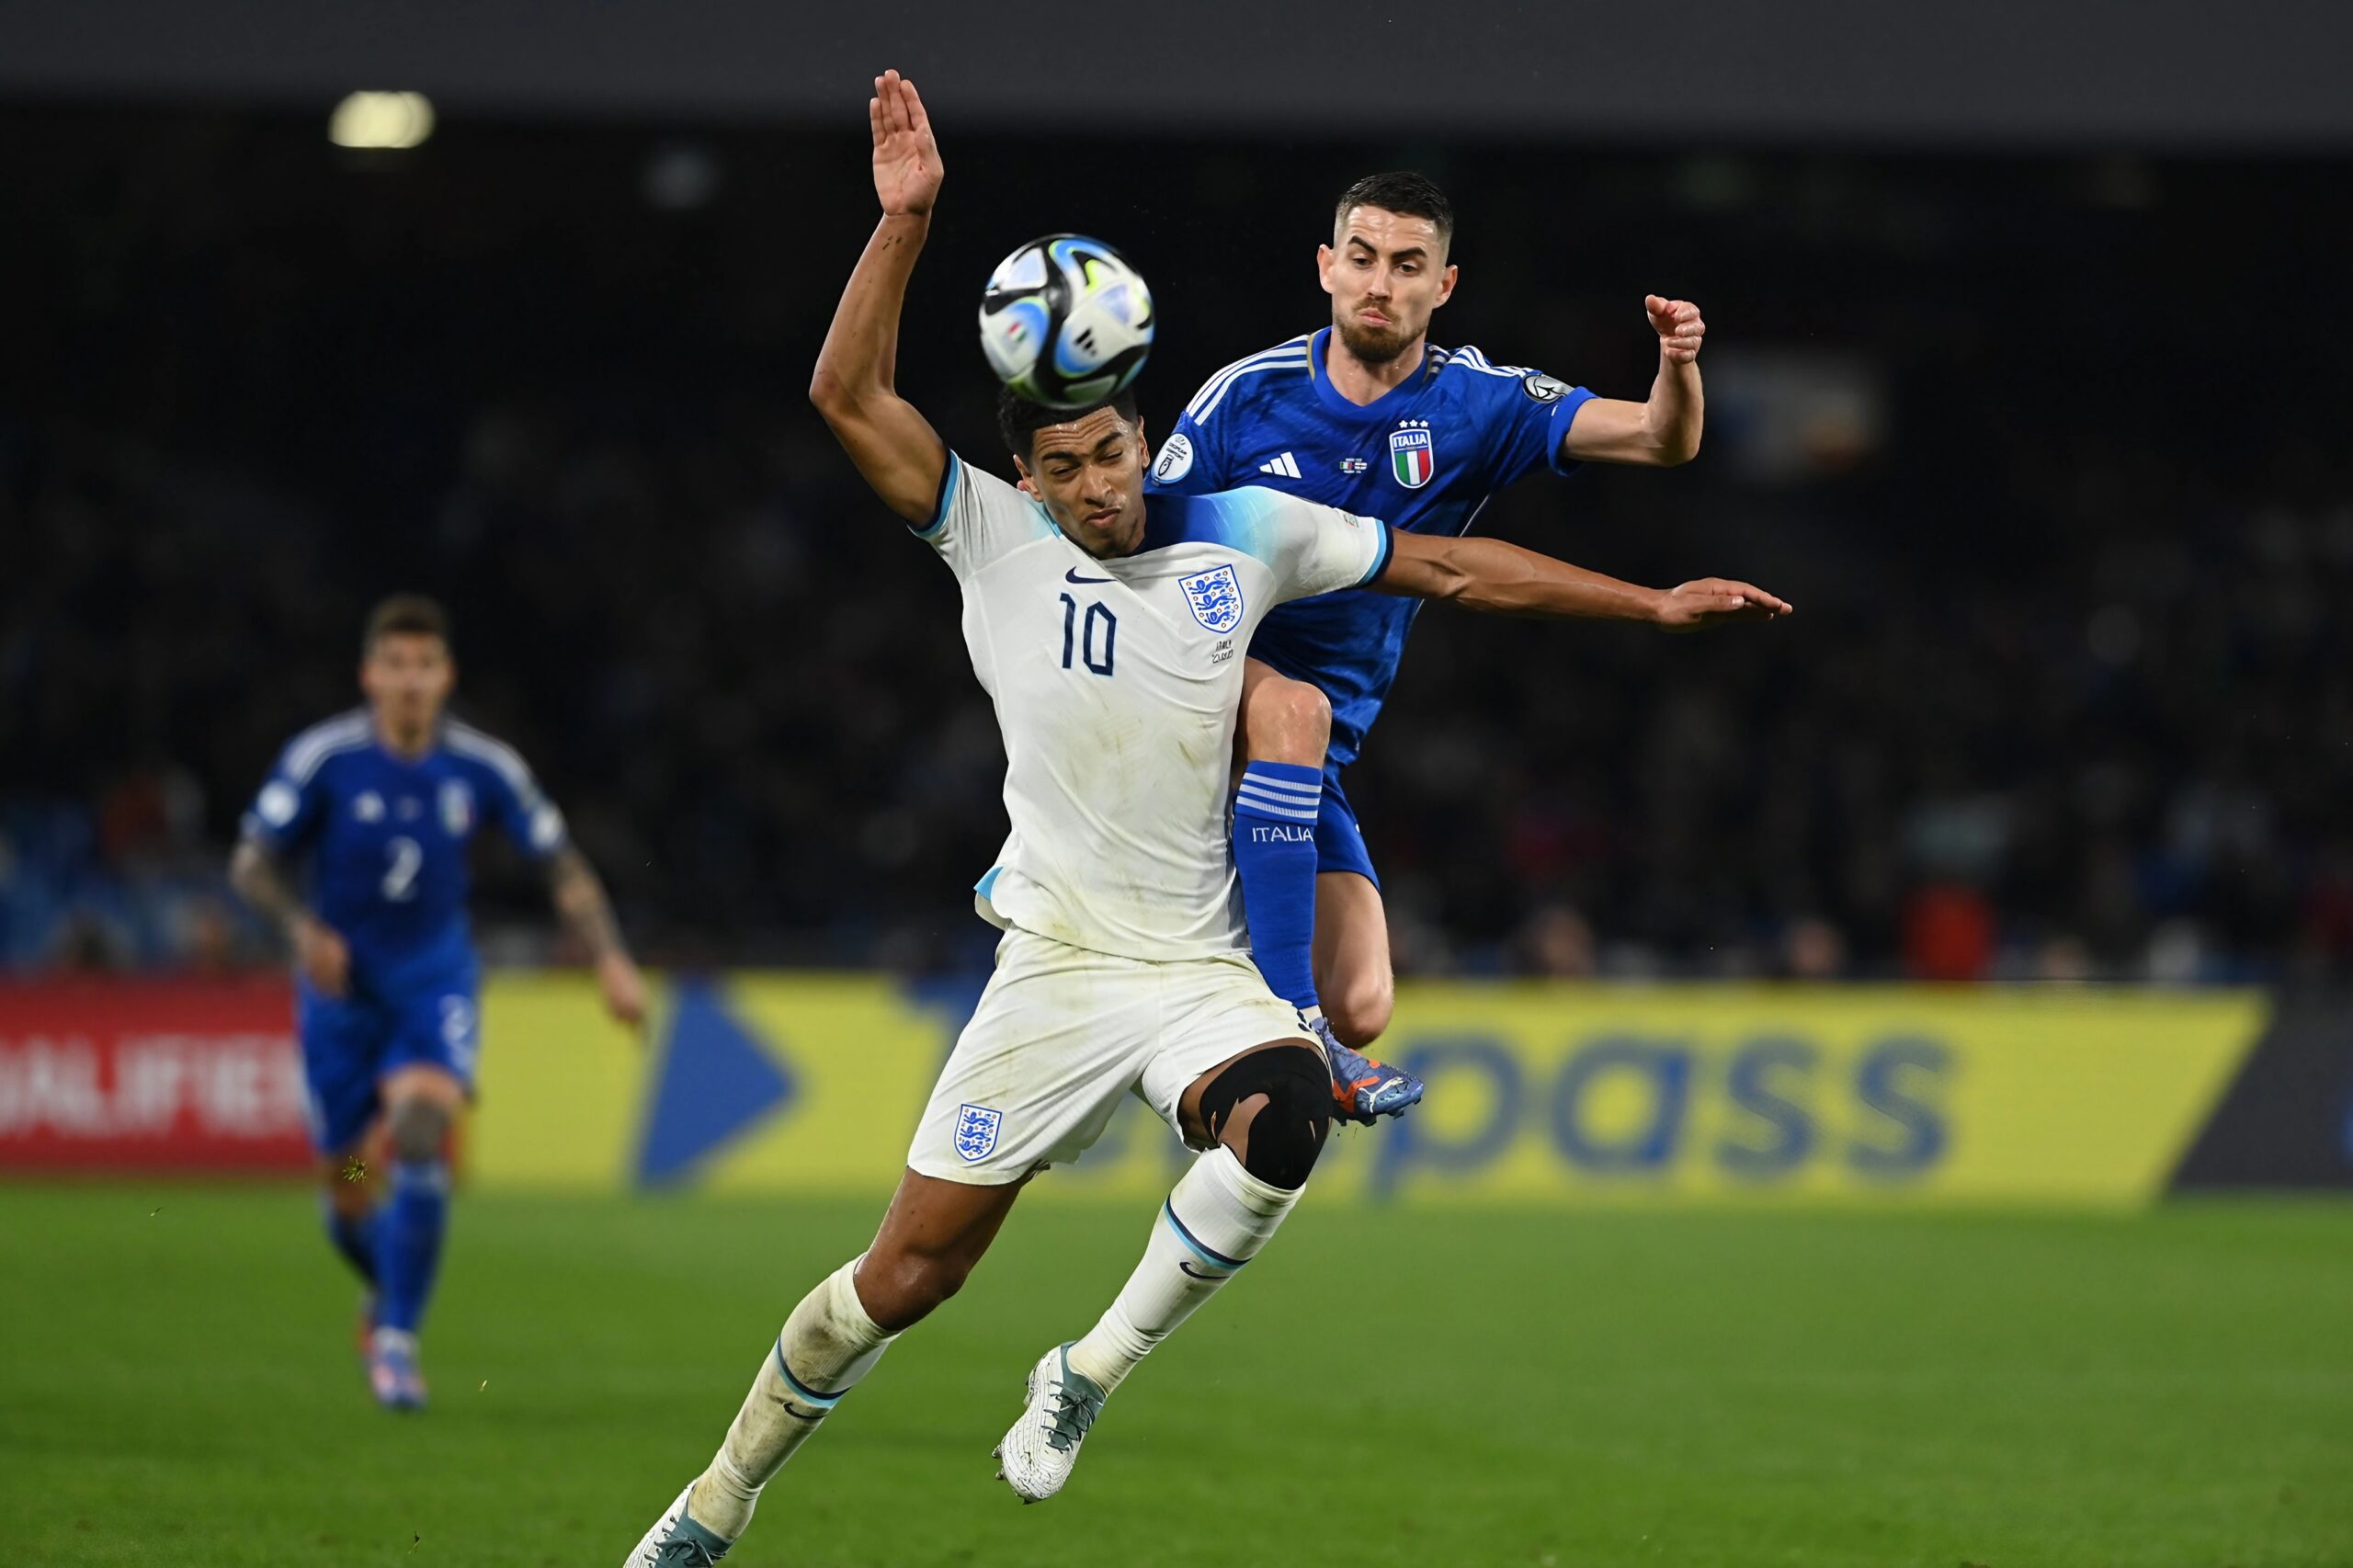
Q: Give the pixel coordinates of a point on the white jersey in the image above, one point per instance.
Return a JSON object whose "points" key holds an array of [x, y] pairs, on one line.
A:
{"points": [[1116, 684]]}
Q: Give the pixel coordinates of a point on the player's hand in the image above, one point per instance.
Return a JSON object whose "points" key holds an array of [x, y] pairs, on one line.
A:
{"points": [[1678, 326], [624, 988], [321, 956], [906, 160], [1713, 601]]}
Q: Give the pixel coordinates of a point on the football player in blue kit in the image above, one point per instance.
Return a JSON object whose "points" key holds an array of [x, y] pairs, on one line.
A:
{"points": [[385, 801], [1368, 415]]}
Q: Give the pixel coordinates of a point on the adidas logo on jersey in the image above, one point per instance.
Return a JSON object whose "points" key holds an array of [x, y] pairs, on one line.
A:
{"points": [[1283, 467]]}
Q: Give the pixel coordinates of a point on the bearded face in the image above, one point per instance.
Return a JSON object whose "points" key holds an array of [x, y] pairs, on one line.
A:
{"points": [[1386, 272]]}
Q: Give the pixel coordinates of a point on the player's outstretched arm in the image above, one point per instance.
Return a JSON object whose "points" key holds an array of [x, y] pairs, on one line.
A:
{"points": [[319, 951], [1666, 430], [855, 383], [1489, 575], [588, 914]]}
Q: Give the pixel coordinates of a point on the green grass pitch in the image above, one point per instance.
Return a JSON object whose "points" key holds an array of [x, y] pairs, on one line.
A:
{"points": [[176, 1388]]}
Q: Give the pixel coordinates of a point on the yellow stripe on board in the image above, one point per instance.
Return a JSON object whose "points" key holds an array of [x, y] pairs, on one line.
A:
{"points": [[1539, 1094]]}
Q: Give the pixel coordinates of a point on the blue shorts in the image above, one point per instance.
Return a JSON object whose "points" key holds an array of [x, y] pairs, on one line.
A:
{"points": [[429, 1017], [1339, 842]]}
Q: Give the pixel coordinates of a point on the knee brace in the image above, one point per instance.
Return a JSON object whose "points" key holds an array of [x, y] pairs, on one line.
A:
{"points": [[1287, 1133], [417, 1127]]}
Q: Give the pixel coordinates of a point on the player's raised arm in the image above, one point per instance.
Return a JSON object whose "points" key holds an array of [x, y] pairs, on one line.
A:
{"points": [[854, 385], [1664, 430], [1489, 575]]}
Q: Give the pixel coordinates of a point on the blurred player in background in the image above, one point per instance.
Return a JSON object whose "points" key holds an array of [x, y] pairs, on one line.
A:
{"points": [[1368, 415], [1109, 637], [385, 801]]}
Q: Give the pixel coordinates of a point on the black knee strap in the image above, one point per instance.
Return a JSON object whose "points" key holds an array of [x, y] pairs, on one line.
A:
{"points": [[1287, 1133]]}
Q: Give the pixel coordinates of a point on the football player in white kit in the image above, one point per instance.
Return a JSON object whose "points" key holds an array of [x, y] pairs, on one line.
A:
{"points": [[1112, 644]]}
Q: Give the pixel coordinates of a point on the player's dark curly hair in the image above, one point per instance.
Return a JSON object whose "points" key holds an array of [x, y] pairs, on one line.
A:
{"points": [[411, 615], [1018, 418], [1401, 191]]}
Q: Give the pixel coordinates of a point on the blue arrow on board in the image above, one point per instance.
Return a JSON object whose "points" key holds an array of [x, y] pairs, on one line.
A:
{"points": [[719, 1079]]}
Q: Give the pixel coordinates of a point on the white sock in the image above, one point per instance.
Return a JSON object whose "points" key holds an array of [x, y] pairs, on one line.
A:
{"points": [[1215, 1221], [828, 1343]]}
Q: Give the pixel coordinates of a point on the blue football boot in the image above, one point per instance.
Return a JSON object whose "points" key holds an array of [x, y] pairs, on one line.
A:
{"points": [[1364, 1090]]}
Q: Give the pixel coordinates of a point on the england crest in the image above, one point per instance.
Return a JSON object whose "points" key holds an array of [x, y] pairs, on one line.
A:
{"points": [[976, 1130], [1215, 598], [1411, 458]]}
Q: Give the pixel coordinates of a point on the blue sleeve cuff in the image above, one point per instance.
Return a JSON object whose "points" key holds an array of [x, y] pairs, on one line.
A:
{"points": [[949, 477], [1380, 562], [1564, 414]]}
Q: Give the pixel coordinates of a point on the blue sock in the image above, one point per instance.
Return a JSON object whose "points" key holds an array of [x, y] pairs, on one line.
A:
{"points": [[353, 1236], [1274, 853], [408, 1241]]}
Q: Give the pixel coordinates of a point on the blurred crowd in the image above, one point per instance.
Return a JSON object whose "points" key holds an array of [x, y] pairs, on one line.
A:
{"points": [[2064, 698]]}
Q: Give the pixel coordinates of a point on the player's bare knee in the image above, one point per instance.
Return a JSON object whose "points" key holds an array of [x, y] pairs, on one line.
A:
{"points": [[1233, 1128], [900, 1288], [1359, 1010], [1273, 1108], [1289, 720], [417, 1126]]}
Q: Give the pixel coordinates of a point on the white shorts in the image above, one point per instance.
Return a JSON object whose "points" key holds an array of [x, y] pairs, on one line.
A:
{"points": [[1062, 1033]]}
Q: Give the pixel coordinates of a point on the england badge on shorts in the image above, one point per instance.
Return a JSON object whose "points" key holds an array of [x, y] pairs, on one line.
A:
{"points": [[976, 1130], [1411, 457]]}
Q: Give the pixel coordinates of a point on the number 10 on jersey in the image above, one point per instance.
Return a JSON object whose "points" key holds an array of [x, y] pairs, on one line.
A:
{"points": [[1081, 637]]}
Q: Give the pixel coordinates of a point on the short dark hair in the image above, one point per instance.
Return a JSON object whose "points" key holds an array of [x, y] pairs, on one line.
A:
{"points": [[405, 614], [1018, 419], [1401, 191]]}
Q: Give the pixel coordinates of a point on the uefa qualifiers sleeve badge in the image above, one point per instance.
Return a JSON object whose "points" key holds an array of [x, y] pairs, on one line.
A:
{"points": [[1176, 459], [1411, 458]]}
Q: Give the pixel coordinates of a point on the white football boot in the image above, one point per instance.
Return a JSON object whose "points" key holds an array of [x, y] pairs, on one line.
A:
{"points": [[677, 1542], [1037, 1456], [392, 1372]]}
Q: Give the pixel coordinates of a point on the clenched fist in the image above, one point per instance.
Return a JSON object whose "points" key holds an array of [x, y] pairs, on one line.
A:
{"points": [[1678, 326]]}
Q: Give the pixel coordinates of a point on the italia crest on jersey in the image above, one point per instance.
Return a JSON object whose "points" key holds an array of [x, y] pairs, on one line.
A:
{"points": [[1411, 458], [1215, 596], [457, 808], [976, 1130]]}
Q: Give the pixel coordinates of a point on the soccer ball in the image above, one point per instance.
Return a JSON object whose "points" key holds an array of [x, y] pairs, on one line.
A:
{"points": [[1065, 320]]}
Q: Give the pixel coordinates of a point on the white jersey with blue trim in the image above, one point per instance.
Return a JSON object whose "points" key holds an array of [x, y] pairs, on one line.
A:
{"points": [[1116, 684], [1425, 457]]}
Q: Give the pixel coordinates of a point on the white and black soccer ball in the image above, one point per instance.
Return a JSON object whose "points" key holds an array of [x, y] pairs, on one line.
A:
{"points": [[1065, 320]]}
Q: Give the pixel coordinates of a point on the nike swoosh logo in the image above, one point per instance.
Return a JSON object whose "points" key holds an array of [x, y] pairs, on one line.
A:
{"points": [[1072, 576], [1197, 1274]]}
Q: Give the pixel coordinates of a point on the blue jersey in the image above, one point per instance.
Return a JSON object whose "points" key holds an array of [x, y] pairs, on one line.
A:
{"points": [[389, 837], [1425, 456]]}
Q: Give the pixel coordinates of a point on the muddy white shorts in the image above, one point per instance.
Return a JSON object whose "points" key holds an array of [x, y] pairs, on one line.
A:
{"points": [[1062, 1033]]}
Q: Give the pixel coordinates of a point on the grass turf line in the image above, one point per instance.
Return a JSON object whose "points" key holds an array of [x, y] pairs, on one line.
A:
{"points": [[1383, 1387]]}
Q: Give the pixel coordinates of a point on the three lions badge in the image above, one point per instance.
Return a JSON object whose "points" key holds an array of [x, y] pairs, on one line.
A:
{"points": [[1215, 598], [976, 1130]]}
